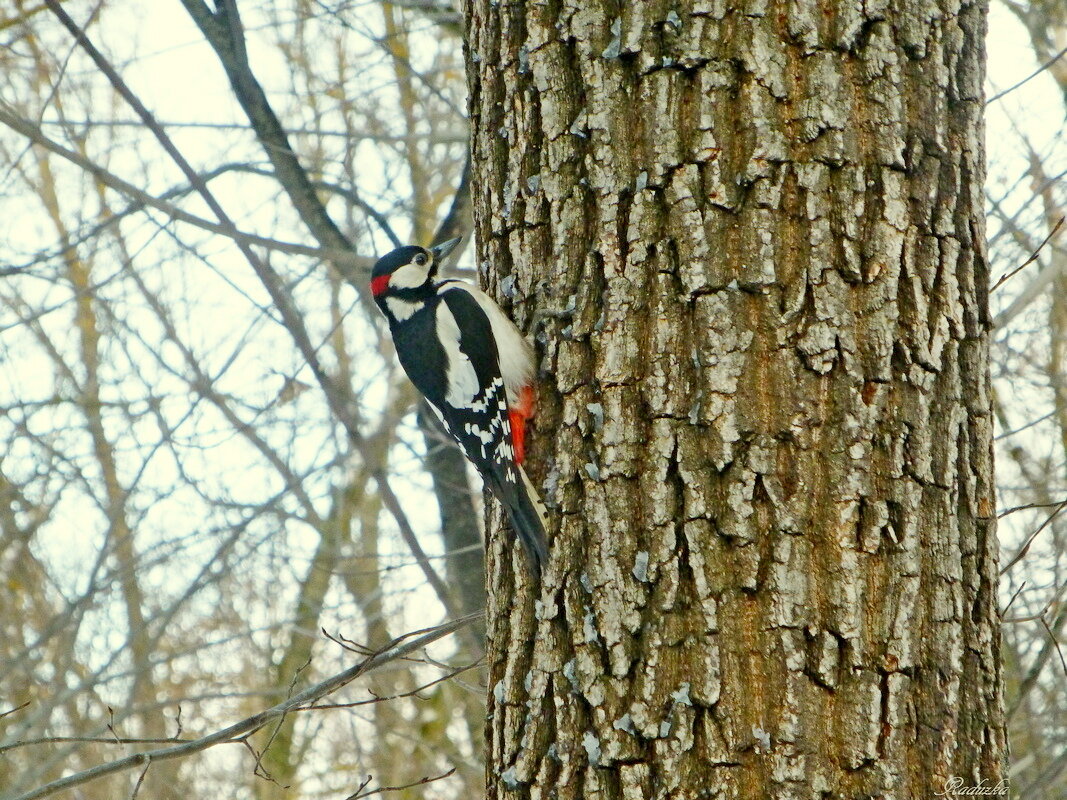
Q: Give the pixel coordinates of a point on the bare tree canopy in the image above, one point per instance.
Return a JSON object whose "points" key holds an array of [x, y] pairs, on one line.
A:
{"points": [[782, 321]]}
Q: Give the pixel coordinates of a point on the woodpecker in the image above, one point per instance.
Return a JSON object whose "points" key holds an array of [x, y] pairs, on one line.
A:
{"points": [[476, 370]]}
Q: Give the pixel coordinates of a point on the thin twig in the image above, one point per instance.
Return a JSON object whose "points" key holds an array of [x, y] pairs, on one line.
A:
{"points": [[431, 137], [1014, 597], [140, 779], [386, 698], [239, 730], [1030, 539], [360, 793], [1027, 684], [90, 740], [13, 711], [1056, 644], [1055, 599], [1033, 257], [291, 320], [258, 768], [1029, 77], [10, 118], [1028, 506]]}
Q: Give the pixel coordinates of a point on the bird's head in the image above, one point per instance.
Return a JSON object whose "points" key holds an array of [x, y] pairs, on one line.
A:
{"points": [[409, 267]]}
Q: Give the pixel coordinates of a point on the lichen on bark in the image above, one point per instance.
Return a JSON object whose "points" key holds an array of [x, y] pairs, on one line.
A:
{"points": [[748, 242]]}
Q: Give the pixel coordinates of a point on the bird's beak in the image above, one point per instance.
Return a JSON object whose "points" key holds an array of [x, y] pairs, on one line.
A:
{"points": [[442, 251]]}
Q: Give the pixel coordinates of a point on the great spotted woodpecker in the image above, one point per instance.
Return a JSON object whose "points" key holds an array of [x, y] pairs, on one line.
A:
{"points": [[476, 370]]}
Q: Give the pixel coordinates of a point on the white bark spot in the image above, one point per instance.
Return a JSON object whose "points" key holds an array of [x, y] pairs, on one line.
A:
{"points": [[589, 627], [615, 45], [681, 696], [625, 723], [570, 673], [592, 747], [640, 570], [763, 739], [510, 779]]}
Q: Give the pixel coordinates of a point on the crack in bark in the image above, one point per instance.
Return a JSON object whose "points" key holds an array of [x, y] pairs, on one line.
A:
{"points": [[766, 224]]}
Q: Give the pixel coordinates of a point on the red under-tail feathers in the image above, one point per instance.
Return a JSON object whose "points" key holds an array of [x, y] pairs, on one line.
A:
{"points": [[519, 413]]}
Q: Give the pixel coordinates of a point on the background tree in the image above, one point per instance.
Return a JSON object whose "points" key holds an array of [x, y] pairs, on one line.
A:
{"points": [[183, 376], [1027, 201], [768, 428]]}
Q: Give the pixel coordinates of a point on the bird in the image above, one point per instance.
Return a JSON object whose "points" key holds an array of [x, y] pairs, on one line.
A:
{"points": [[475, 369]]}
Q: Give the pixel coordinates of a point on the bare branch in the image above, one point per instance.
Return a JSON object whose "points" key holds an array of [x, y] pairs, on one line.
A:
{"points": [[360, 793], [1033, 257], [224, 32], [239, 730], [14, 710], [1030, 539], [275, 288], [1028, 78], [10, 118], [432, 137]]}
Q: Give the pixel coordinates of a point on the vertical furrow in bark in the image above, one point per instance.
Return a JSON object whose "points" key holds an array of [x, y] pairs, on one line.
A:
{"points": [[748, 243]]}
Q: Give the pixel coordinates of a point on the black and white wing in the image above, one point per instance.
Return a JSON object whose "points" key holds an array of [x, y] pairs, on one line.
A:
{"points": [[470, 398]]}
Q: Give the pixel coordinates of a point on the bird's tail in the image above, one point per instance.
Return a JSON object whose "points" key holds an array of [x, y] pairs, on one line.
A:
{"points": [[527, 514]]}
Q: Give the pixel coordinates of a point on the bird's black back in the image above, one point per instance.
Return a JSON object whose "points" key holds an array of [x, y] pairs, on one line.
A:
{"points": [[420, 352]]}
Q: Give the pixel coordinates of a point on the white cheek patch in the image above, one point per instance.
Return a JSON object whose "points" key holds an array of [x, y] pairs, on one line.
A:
{"points": [[409, 276], [401, 309], [462, 379]]}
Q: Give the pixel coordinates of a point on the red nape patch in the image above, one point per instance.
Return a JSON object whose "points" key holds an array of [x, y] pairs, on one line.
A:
{"points": [[518, 414], [379, 285]]}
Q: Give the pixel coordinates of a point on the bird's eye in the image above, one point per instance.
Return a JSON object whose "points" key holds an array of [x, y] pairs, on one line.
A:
{"points": [[422, 259]]}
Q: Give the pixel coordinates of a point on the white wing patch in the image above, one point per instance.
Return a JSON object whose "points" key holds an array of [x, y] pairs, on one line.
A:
{"points": [[462, 379], [513, 351]]}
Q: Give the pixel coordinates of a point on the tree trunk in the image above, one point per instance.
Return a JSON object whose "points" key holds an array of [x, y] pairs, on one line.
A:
{"points": [[749, 244]]}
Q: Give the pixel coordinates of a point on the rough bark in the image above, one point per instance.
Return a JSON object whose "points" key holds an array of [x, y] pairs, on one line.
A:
{"points": [[748, 240]]}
